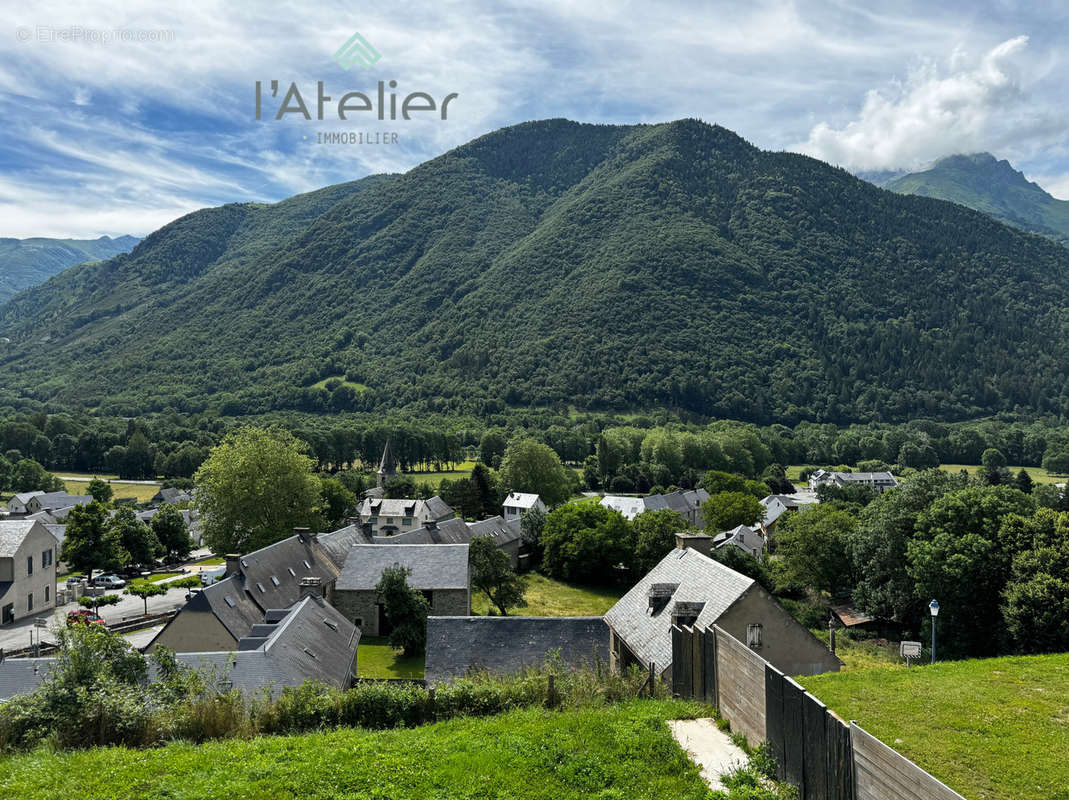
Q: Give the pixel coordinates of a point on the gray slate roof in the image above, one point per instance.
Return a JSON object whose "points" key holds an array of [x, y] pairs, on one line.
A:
{"points": [[55, 501], [434, 566], [698, 578], [22, 675], [12, 532], [336, 544], [457, 646], [439, 509], [273, 573], [311, 641]]}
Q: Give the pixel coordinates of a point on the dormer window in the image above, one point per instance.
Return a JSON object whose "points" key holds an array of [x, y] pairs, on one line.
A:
{"points": [[659, 594]]}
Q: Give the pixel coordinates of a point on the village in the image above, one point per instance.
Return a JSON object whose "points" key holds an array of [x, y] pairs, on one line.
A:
{"points": [[296, 610]]}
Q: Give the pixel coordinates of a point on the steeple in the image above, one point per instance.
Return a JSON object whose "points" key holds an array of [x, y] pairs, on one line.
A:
{"points": [[387, 467]]}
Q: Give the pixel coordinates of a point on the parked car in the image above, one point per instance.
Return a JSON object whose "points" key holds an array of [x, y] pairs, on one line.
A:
{"points": [[210, 576], [108, 582], [84, 617]]}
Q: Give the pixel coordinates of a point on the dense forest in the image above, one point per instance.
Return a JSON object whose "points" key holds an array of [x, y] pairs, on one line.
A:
{"points": [[554, 265]]}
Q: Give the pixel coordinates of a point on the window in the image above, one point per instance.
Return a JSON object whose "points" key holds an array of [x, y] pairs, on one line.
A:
{"points": [[47, 594], [406, 521], [389, 520], [229, 601], [753, 635], [430, 597], [260, 586], [29, 602], [29, 565], [274, 580], [359, 622], [292, 573], [46, 558]]}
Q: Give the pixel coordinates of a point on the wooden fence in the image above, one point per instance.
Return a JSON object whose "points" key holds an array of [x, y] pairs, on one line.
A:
{"points": [[823, 756]]}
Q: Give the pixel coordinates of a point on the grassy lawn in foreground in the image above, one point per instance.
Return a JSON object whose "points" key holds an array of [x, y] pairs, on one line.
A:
{"points": [[988, 728], [623, 751], [549, 598], [376, 659]]}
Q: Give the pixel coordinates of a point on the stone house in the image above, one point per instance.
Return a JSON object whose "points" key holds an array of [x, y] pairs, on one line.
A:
{"points": [[688, 587], [28, 555], [217, 617], [388, 516], [440, 571]]}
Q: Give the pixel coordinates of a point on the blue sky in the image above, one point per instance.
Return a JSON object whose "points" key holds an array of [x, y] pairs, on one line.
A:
{"points": [[119, 117]]}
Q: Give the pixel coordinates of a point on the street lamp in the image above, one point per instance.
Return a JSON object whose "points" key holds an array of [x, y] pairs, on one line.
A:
{"points": [[934, 608]]}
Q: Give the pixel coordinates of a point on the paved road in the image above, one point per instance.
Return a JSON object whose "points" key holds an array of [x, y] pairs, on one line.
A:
{"points": [[18, 635]]}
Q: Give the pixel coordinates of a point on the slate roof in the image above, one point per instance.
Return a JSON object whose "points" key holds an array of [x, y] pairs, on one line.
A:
{"points": [[391, 507], [457, 531], [313, 641], [12, 532], [310, 641], [434, 566], [439, 509], [698, 578], [497, 529], [457, 646], [171, 495], [22, 675], [24, 497], [449, 531], [272, 574], [336, 544], [54, 501], [228, 601], [59, 531]]}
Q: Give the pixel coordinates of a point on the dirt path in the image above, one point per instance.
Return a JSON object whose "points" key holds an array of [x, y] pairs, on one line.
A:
{"points": [[708, 747]]}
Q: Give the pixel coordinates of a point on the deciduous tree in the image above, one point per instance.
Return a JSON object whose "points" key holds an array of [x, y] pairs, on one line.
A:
{"points": [[254, 488], [492, 574]]}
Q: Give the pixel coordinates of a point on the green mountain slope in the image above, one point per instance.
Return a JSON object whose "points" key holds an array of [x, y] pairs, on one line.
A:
{"points": [[28, 262], [669, 265], [982, 182]]}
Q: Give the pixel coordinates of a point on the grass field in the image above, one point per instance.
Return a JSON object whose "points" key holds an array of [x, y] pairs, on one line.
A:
{"points": [[359, 388], [376, 659], [1038, 474], [991, 728], [141, 491], [623, 751], [549, 598], [463, 470]]}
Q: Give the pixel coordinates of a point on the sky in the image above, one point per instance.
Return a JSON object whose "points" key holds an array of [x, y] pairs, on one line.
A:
{"points": [[119, 117]]}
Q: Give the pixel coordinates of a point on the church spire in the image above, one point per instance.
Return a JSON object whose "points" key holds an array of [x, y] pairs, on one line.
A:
{"points": [[387, 467]]}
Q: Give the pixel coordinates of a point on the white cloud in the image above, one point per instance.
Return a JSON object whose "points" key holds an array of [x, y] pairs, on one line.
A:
{"points": [[966, 106]]}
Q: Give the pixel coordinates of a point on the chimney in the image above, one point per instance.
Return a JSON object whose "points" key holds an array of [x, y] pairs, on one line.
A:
{"points": [[311, 587], [702, 542], [233, 565], [305, 535], [431, 525]]}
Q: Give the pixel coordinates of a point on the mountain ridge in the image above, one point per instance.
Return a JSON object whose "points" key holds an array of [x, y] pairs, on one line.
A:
{"points": [[32, 261], [983, 182], [557, 263]]}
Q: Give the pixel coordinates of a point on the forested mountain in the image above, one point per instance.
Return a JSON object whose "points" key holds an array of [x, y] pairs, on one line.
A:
{"points": [[983, 182], [556, 263], [28, 262]]}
